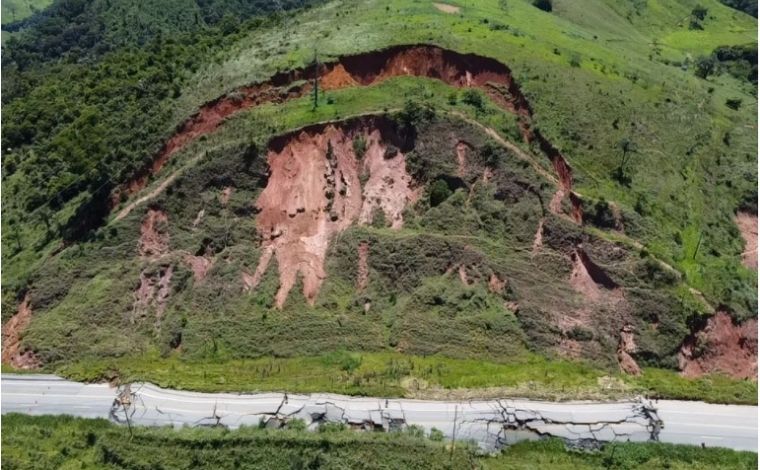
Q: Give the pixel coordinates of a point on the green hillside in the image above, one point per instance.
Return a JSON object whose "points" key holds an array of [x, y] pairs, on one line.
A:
{"points": [[488, 183]]}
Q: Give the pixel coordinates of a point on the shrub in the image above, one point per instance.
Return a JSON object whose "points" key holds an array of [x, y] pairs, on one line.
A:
{"points": [[699, 12], [360, 146], [734, 103], [704, 66], [545, 5], [473, 98], [436, 435], [439, 192]]}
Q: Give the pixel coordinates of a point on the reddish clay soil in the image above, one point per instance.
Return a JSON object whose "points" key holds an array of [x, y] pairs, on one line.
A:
{"points": [[589, 279], [747, 224], [154, 238], [538, 239], [152, 293], [362, 277], [462, 148], [314, 192], [462, 271], [721, 347], [199, 265], [627, 346], [496, 284], [453, 68], [12, 332]]}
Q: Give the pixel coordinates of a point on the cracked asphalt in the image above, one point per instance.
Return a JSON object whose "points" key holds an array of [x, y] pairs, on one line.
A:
{"points": [[492, 424]]}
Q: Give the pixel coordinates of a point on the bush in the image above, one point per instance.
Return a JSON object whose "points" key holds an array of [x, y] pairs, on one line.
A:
{"points": [[439, 192], [704, 66], [360, 146], [436, 435], [734, 103], [473, 98], [545, 5]]}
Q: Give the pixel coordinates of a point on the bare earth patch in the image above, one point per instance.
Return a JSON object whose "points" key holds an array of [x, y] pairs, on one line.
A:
{"points": [[314, 192], [12, 331], [451, 9], [747, 224], [721, 347]]}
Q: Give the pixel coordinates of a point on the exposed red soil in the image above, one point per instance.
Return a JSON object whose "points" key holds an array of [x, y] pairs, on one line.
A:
{"points": [[12, 331], [538, 239], [153, 292], [462, 271], [199, 265], [154, 237], [314, 193], [453, 68], [627, 346], [362, 277], [496, 284], [462, 148], [747, 224], [589, 279], [721, 347]]}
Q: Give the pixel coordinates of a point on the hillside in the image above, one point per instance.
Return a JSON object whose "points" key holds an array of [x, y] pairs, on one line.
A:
{"points": [[569, 192]]}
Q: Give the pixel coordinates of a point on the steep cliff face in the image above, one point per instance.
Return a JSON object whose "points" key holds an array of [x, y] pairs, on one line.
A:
{"points": [[314, 192]]}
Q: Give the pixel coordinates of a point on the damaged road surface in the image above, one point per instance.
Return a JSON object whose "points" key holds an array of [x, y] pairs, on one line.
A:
{"points": [[492, 423]]}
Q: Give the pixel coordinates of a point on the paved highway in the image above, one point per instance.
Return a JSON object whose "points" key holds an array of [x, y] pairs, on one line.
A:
{"points": [[492, 424]]}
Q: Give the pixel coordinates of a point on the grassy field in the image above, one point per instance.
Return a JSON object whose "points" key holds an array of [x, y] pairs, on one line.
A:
{"points": [[401, 375], [64, 442], [15, 10]]}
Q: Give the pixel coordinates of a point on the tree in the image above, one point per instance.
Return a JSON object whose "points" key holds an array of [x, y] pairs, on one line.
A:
{"points": [[439, 192], [704, 66], [699, 12], [627, 147], [545, 5]]}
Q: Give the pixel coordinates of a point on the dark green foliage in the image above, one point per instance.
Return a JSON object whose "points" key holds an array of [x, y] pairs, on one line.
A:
{"points": [[77, 27], [704, 66], [739, 61], [439, 192], [699, 12], [734, 103], [473, 98], [100, 444], [545, 5], [747, 6]]}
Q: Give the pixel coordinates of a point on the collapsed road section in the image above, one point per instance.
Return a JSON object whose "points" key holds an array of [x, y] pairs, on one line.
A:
{"points": [[492, 424]]}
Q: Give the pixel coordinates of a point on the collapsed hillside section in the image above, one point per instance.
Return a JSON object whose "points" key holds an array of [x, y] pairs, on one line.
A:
{"points": [[314, 192], [453, 68]]}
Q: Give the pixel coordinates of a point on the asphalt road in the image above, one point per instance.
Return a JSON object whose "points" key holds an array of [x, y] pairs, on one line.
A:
{"points": [[491, 424]]}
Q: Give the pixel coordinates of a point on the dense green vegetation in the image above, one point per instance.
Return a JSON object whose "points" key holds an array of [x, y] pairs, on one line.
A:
{"points": [[64, 442]]}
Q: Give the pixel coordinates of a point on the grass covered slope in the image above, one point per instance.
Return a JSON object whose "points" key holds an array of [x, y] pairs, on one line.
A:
{"points": [[487, 264], [62, 442]]}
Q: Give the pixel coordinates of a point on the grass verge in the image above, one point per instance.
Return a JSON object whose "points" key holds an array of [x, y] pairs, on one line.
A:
{"points": [[395, 374]]}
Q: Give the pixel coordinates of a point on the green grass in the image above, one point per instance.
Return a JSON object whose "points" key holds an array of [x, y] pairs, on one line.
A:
{"points": [[64, 442], [16, 10], [402, 375]]}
